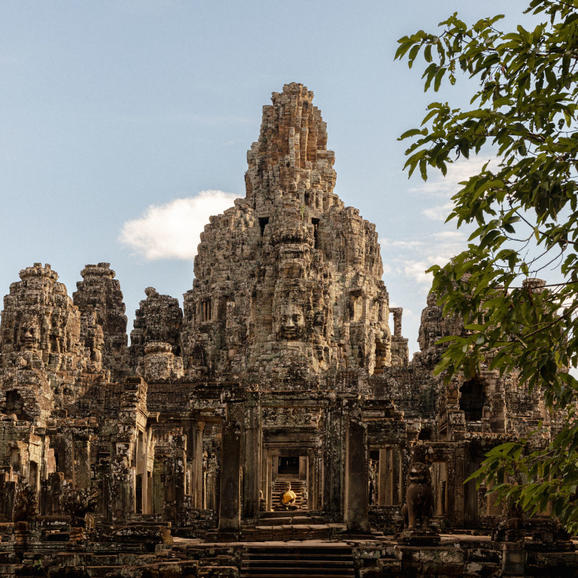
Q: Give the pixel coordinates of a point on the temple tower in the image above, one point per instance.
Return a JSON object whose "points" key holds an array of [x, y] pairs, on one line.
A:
{"points": [[100, 300], [287, 281]]}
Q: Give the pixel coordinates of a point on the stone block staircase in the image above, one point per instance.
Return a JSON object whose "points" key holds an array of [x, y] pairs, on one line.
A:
{"points": [[292, 560], [291, 525]]}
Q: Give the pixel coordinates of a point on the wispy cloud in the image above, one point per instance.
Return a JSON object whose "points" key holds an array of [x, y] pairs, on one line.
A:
{"points": [[412, 257], [459, 171], [449, 236], [172, 230], [397, 243], [438, 213], [440, 187]]}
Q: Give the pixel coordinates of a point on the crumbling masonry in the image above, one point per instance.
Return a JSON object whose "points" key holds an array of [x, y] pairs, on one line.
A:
{"points": [[281, 368]]}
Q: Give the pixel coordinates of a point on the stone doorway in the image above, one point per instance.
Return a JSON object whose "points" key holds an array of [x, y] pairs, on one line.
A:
{"points": [[287, 466], [385, 483]]}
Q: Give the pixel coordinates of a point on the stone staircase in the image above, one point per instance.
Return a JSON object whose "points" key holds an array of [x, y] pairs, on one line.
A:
{"points": [[291, 525], [298, 486], [320, 560]]}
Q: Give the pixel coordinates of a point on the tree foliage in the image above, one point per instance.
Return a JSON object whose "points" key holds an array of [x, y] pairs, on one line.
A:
{"points": [[523, 207]]}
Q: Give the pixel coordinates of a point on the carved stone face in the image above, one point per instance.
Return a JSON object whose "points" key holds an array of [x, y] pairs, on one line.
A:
{"points": [[292, 323], [29, 334]]}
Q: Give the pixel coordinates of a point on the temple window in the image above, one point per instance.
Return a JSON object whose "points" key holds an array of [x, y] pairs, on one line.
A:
{"points": [[206, 312], [472, 399], [315, 223], [263, 221]]}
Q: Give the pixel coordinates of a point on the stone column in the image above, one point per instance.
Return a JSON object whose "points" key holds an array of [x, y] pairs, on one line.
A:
{"points": [[384, 482], [197, 481], [82, 463], [456, 494], [64, 449], [312, 478], [356, 514], [252, 455], [319, 477], [230, 502], [333, 461], [103, 480], [269, 474]]}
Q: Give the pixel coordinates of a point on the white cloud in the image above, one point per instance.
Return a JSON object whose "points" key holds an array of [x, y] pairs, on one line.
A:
{"points": [[172, 231], [410, 258], [449, 235], [416, 270], [439, 186], [459, 171], [385, 242], [438, 213]]}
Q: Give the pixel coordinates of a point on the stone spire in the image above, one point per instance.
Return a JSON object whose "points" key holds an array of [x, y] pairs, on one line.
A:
{"points": [[157, 324], [100, 300], [290, 159], [42, 355], [288, 281], [40, 316]]}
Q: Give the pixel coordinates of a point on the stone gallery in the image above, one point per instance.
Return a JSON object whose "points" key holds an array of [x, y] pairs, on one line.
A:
{"points": [[273, 426]]}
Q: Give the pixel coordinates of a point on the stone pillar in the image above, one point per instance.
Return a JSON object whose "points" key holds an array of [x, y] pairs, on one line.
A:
{"points": [[158, 485], [397, 314], [179, 481], [82, 463], [384, 483], [64, 449], [270, 481], [252, 455], [105, 485], [314, 479], [210, 489], [197, 481], [230, 502], [319, 479], [456, 490], [264, 476], [333, 465], [356, 515]]}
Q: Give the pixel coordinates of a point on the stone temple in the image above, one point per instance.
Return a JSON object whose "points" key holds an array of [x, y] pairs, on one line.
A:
{"points": [[172, 456]]}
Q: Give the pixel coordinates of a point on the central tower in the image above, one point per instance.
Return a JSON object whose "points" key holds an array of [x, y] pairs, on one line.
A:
{"points": [[287, 282]]}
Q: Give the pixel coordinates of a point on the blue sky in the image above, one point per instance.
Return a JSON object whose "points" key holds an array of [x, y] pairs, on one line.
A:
{"points": [[110, 111]]}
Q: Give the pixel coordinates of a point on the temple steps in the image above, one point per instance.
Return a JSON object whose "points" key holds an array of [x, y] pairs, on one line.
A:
{"points": [[283, 517], [288, 561], [291, 525]]}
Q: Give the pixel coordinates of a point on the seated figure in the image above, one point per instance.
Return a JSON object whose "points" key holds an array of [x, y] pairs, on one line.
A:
{"points": [[289, 498]]}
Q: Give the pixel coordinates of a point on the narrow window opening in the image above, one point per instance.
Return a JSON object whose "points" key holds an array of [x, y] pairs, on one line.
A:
{"points": [[262, 223], [206, 310], [315, 223]]}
